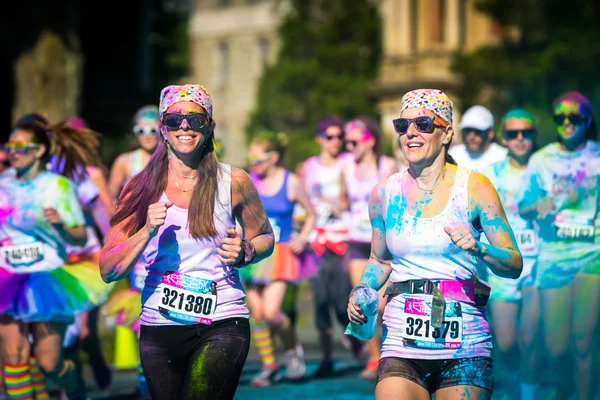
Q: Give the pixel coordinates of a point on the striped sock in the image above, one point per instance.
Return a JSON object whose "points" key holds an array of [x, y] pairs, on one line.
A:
{"points": [[280, 322], [17, 380], [261, 335], [39, 381], [65, 376]]}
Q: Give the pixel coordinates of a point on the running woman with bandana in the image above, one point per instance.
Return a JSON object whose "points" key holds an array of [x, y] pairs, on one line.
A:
{"points": [[359, 176], [40, 293], [180, 213], [126, 165], [515, 303], [267, 281], [426, 224], [560, 192]]}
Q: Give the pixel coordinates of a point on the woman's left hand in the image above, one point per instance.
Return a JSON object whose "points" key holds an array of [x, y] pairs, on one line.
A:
{"points": [[463, 238], [230, 252]]}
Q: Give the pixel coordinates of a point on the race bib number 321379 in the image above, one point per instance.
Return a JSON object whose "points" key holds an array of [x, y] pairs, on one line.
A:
{"points": [[419, 330], [187, 298]]}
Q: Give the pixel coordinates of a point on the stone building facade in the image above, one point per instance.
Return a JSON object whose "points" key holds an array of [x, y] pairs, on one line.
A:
{"points": [[231, 42]]}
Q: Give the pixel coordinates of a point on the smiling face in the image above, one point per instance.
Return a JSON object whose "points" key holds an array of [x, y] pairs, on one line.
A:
{"points": [[522, 144], [331, 141], [184, 140], [572, 121], [147, 141], [423, 148], [29, 152], [358, 143]]}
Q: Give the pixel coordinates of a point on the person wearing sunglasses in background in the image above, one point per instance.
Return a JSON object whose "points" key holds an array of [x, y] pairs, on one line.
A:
{"points": [[180, 212], [478, 150], [331, 284], [426, 224], [359, 176], [126, 165], [40, 293], [266, 282], [560, 192], [515, 303]]}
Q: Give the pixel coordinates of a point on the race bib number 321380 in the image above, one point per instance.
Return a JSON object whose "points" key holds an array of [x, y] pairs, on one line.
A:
{"points": [[187, 298]]}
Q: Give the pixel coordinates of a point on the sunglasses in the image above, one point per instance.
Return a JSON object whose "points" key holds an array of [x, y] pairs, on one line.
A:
{"points": [[329, 138], [424, 124], [254, 160], [574, 119], [512, 134], [20, 147], [144, 130], [196, 121], [478, 132]]}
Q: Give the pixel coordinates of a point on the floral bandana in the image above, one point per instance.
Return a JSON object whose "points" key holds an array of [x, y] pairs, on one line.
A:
{"points": [[176, 93], [430, 99]]}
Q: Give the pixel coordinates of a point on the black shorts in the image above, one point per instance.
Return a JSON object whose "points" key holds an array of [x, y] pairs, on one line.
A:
{"points": [[359, 251], [438, 374]]}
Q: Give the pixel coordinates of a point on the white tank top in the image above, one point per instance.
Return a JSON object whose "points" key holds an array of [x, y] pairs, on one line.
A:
{"points": [[358, 193], [422, 250], [419, 246], [173, 249]]}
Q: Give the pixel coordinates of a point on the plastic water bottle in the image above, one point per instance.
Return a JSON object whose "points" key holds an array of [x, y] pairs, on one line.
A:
{"points": [[368, 301]]}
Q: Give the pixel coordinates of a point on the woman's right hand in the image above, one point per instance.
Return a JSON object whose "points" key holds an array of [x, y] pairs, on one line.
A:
{"points": [[157, 213], [545, 207], [354, 312]]}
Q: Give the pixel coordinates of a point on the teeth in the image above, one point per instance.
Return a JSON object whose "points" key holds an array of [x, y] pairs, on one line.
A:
{"points": [[414, 145], [184, 137]]}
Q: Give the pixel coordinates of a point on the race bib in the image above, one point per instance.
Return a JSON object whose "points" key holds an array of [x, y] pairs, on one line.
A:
{"points": [[187, 298], [23, 255], [276, 229], [419, 331], [527, 242], [575, 232], [324, 211]]}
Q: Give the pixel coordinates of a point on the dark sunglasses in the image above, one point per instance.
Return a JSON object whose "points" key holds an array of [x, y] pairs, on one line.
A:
{"points": [[424, 124], [512, 134], [196, 121], [575, 119], [478, 132], [144, 130], [330, 138], [352, 143]]}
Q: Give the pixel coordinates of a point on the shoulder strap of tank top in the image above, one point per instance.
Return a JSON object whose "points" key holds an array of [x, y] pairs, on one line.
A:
{"points": [[224, 187]]}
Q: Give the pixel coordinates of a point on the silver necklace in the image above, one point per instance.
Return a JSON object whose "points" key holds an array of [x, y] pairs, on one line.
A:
{"points": [[182, 176], [439, 180], [177, 184]]}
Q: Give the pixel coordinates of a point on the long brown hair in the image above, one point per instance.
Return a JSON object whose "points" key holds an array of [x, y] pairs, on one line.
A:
{"points": [[148, 186]]}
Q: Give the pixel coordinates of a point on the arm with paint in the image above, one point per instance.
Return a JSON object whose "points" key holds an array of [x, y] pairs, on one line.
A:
{"points": [[501, 255], [121, 251], [378, 268], [65, 214], [250, 214]]}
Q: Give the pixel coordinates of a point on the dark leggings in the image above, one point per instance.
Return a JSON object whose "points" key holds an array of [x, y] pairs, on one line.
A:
{"points": [[194, 361]]}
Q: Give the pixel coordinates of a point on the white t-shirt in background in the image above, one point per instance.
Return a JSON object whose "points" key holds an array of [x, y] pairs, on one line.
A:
{"points": [[495, 153]]}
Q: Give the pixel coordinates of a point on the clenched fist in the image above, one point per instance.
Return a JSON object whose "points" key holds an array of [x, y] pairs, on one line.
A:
{"points": [[51, 216], [230, 252], [463, 238], [157, 213]]}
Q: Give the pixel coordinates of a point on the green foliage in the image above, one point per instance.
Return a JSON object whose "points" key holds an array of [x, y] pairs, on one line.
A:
{"points": [[329, 55], [550, 47]]}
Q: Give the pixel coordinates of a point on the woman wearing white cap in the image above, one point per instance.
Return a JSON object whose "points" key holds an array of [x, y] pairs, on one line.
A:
{"points": [[478, 150], [180, 212], [426, 222]]}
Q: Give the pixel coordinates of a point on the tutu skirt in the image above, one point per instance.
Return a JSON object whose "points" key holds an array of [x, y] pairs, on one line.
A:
{"points": [[56, 295]]}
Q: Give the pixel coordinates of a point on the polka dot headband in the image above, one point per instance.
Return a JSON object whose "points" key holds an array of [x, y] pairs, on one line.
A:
{"points": [[429, 99], [176, 93]]}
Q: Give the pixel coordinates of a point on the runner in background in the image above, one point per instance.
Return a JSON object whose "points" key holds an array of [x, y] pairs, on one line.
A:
{"points": [[515, 303], [560, 192], [359, 176], [126, 165], [266, 282], [331, 284]]}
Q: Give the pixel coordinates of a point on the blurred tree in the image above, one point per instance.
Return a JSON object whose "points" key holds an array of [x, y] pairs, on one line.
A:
{"points": [[329, 55], [550, 46]]}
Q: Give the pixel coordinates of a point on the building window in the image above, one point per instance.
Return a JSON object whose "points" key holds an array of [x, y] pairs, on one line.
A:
{"points": [[222, 65], [414, 24], [438, 21], [264, 47]]}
